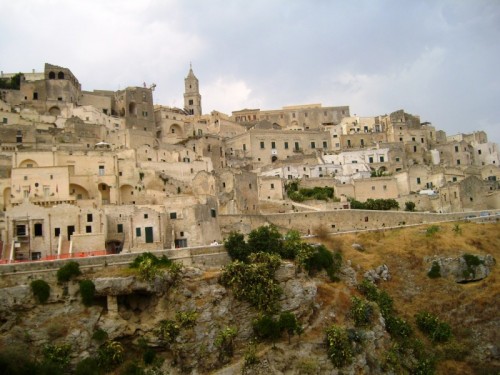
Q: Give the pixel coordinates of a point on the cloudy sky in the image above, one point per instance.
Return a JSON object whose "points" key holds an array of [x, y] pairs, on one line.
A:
{"points": [[439, 59]]}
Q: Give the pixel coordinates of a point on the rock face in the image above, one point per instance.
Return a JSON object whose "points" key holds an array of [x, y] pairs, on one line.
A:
{"points": [[466, 268]]}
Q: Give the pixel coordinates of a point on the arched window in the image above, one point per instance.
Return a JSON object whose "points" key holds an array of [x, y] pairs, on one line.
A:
{"points": [[52, 75], [60, 75]]}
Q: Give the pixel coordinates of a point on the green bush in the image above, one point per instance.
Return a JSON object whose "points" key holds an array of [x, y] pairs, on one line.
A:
{"points": [[148, 356], [398, 327], [163, 261], [186, 319], [339, 347], [100, 335], [224, 342], [316, 258], [410, 206], [254, 282], [110, 355], [68, 271], [168, 330], [236, 247], [361, 312], [41, 290], [435, 329], [58, 355], [265, 239], [266, 328], [432, 230], [435, 270], [289, 324], [87, 291]]}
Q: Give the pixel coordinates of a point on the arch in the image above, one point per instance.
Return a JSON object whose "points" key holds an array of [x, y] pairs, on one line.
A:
{"points": [[60, 75], [104, 191], [55, 111], [28, 163], [78, 191], [127, 194], [177, 130], [132, 109], [52, 75]]}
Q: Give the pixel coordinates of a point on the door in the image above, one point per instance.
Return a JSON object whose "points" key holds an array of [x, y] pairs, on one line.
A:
{"points": [[149, 234], [71, 230]]}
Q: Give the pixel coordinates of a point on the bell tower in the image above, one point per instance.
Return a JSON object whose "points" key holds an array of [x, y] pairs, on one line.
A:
{"points": [[192, 97]]}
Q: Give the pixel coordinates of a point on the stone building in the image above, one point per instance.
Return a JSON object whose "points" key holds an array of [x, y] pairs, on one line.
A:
{"points": [[192, 97], [299, 117]]}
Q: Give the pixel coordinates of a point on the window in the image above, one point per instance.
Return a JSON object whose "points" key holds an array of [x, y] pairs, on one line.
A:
{"points": [[370, 159], [397, 159], [57, 232], [454, 179], [262, 145], [101, 170], [35, 96], [418, 180], [382, 159], [400, 139], [273, 144], [456, 148], [244, 147], [413, 139], [5, 120], [145, 216], [414, 148], [479, 152], [421, 140], [373, 188], [458, 161], [325, 144], [138, 232], [272, 186], [385, 187], [21, 230], [173, 215], [286, 145], [250, 186], [37, 229], [181, 234], [89, 218], [297, 146], [88, 229], [119, 228], [213, 212], [191, 102]]}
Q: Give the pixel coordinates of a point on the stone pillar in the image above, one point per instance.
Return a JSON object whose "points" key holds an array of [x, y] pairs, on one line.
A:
{"points": [[112, 305]]}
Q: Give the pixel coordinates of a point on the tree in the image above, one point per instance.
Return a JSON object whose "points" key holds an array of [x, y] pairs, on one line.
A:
{"points": [[291, 244], [288, 323], [236, 247], [410, 206], [266, 239]]}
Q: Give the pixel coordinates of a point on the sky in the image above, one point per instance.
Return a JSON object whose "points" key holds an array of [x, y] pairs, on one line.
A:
{"points": [[439, 59]]}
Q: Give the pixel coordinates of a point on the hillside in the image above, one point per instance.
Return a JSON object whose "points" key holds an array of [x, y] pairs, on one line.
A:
{"points": [[187, 322]]}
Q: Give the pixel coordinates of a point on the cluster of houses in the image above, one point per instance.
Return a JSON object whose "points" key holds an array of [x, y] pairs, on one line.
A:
{"points": [[109, 171]]}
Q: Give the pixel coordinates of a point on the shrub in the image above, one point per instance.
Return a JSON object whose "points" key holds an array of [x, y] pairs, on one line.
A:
{"points": [[291, 244], [265, 239], [68, 271], [224, 341], [148, 356], [369, 290], [41, 290], [168, 330], [236, 247], [186, 319], [163, 261], [58, 355], [317, 258], [435, 329], [432, 230], [398, 327], [251, 354], [289, 323], [100, 335], [435, 270], [110, 355], [87, 291], [266, 328], [410, 206], [254, 282], [339, 346], [361, 312]]}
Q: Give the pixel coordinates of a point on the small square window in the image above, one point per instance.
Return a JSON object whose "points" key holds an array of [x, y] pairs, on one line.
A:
{"points": [[88, 229], [173, 215], [89, 218], [145, 216], [138, 232], [119, 228]]}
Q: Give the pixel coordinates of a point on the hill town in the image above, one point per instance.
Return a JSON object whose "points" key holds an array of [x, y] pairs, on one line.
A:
{"points": [[99, 172]]}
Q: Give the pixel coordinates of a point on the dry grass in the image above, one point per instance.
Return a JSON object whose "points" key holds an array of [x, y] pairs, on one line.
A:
{"points": [[467, 307]]}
